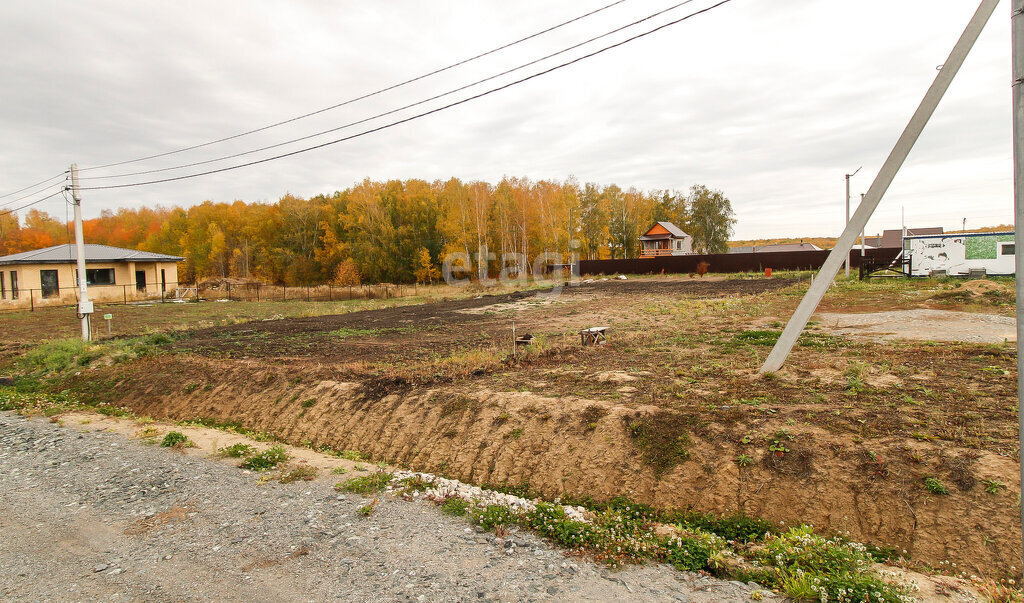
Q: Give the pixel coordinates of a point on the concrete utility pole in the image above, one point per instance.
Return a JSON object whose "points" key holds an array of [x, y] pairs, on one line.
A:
{"points": [[841, 252], [846, 263], [84, 305], [1017, 27]]}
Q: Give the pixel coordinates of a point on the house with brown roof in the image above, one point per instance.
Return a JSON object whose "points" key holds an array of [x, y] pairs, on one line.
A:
{"points": [[663, 239], [893, 237]]}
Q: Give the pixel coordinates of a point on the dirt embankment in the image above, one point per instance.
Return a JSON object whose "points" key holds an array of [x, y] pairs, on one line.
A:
{"points": [[575, 446]]}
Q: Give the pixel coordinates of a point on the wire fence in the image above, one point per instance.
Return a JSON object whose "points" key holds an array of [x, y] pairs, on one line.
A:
{"points": [[14, 300]]}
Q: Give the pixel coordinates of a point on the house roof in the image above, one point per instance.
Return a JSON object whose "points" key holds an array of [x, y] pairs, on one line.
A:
{"points": [[894, 238], [674, 232], [67, 254], [777, 247], [958, 235]]}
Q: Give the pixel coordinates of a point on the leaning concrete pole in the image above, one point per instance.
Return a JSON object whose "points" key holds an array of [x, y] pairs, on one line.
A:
{"points": [[881, 184], [1017, 27]]}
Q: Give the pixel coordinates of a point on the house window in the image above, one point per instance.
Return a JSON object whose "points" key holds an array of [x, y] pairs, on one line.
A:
{"points": [[1008, 249], [49, 283], [99, 276], [14, 285]]}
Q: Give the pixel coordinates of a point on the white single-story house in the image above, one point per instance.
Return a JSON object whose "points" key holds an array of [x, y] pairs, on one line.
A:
{"points": [[49, 276], [991, 253], [665, 238]]}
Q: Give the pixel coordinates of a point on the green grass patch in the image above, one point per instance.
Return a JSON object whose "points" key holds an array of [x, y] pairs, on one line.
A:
{"points": [[268, 459], [367, 484], [935, 486], [769, 338], [351, 332], [175, 438], [237, 451], [456, 507]]}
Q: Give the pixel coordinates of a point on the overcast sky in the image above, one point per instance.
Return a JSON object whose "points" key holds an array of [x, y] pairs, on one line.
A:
{"points": [[770, 101]]}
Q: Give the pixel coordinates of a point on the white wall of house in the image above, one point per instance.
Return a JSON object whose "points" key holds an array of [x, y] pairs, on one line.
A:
{"points": [[683, 246], [958, 254]]}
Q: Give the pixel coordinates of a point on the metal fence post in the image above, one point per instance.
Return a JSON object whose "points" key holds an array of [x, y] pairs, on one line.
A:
{"points": [[257, 292], [307, 292], [31, 301], [124, 292]]}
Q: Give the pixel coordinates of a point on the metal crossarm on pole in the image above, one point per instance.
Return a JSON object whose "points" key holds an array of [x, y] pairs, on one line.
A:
{"points": [[885, 176]]}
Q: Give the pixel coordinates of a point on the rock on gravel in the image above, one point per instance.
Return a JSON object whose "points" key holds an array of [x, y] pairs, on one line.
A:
{"points": [[95, 515]]}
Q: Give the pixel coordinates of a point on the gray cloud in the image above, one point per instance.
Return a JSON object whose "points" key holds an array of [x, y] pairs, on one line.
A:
{"points": [[771, 102]]}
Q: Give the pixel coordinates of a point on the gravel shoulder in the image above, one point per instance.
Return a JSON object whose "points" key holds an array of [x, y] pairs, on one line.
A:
{"points": [[90, 514]]}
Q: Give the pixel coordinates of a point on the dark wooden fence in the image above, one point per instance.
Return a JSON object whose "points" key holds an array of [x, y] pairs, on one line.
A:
{"points": [[729, 262]]}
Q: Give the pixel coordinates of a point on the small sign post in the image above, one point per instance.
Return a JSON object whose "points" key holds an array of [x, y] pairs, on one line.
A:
{"points": [[108, 318]]}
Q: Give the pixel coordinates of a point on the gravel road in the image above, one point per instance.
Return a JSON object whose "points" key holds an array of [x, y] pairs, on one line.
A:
{"points": [[89, 515]]}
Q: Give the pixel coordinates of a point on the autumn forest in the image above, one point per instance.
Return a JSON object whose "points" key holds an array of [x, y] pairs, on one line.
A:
{"points": [[394, 231]]}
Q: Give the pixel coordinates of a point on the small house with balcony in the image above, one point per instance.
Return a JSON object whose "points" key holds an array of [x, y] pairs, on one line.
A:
{"points": [[665, 239]]}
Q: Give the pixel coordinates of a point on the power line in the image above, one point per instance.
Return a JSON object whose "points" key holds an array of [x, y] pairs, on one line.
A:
{"points": [[393, 111], [11, 211], [33, 185], [364, 96], [419, 115], [32, 194]]}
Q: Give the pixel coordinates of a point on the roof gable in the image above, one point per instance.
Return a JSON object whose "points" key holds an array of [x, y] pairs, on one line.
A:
{"points": [[665, 228], [658, 229]]}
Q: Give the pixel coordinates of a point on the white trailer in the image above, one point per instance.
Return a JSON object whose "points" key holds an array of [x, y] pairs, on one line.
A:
{"points": [[989, 253]]}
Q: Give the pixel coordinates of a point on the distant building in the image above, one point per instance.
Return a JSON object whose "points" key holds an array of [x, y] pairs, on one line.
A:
{"points": [[775, 248], [665, 238], [893, 238], [50, 274], [978, 254]]}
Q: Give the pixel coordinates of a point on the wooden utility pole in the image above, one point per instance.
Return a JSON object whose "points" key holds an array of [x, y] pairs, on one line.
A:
{"points": [[85, 306]]}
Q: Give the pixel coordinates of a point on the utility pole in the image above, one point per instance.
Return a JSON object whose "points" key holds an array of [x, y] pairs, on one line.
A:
{"points": [[964, 229], [846, 262], [1017, 27], [862, 233], [84, 305], [891, 167]]}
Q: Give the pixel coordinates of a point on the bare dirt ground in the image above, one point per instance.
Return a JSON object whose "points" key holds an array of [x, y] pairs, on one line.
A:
{"points": [[923, 325], [670, 412], [434, 328], [89, 514]]}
